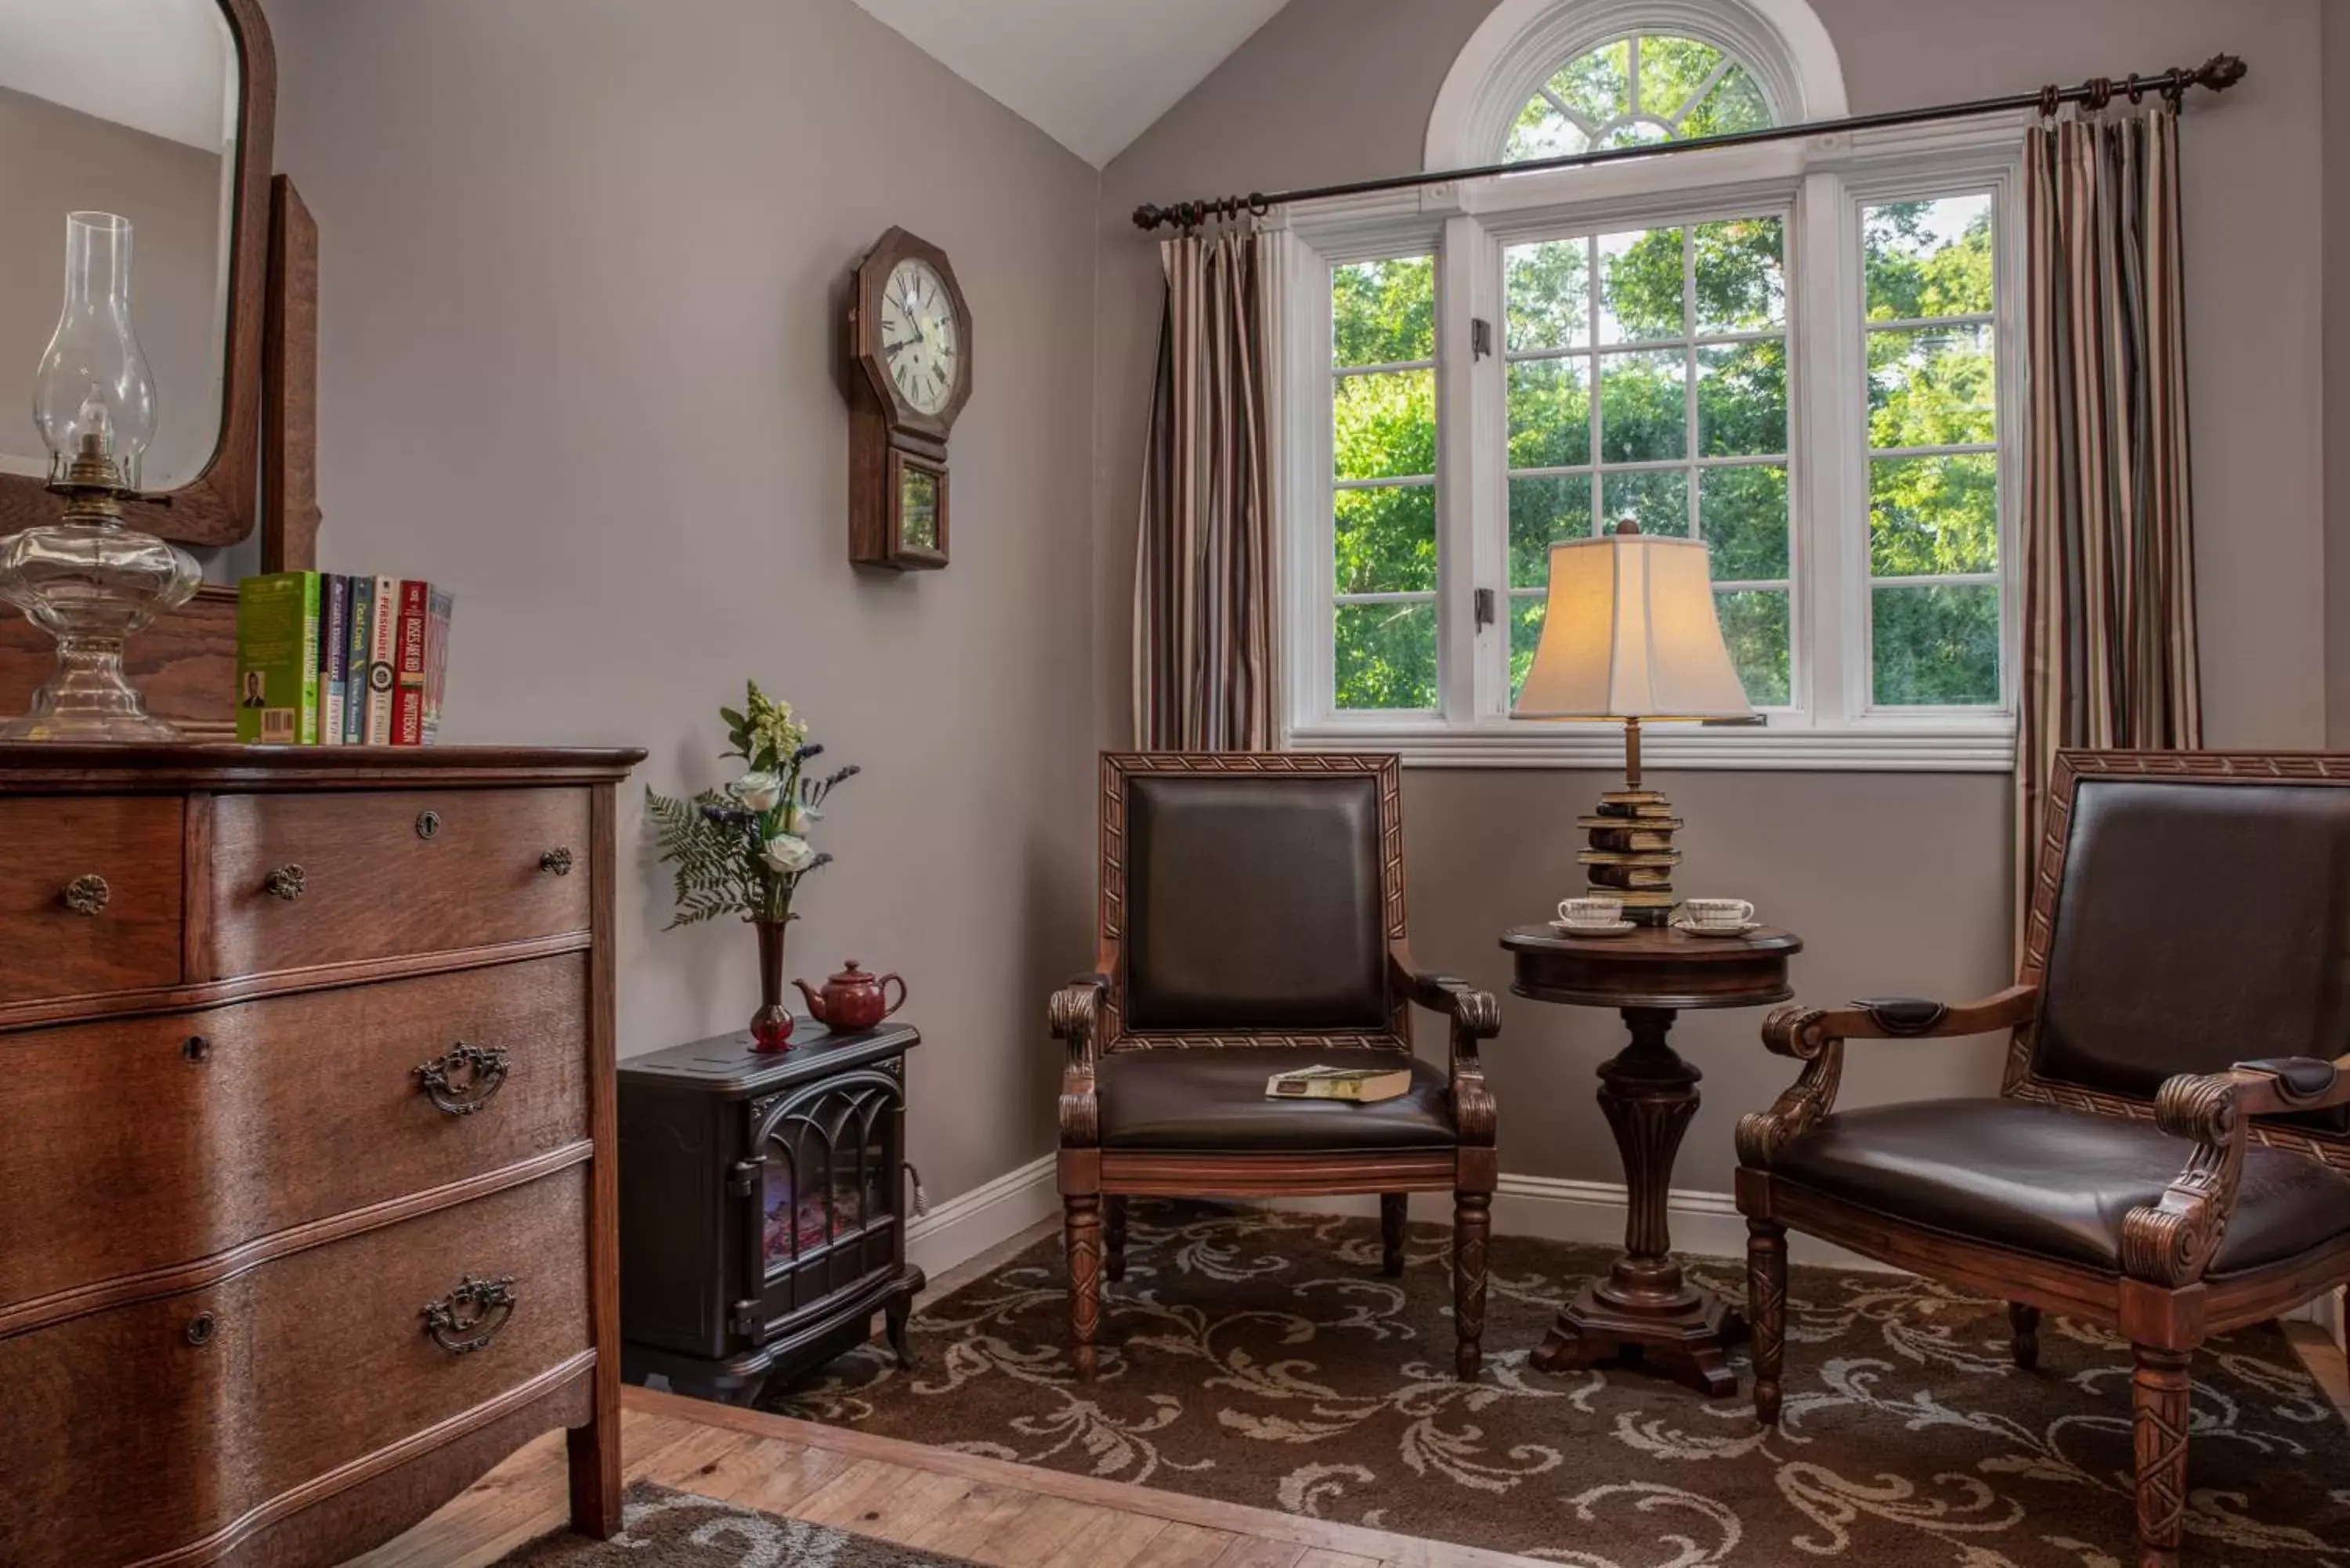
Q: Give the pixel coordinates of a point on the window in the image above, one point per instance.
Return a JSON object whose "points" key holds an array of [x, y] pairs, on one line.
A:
{"points": [[1383, 483], [1684, 336], [1652, 88], [1796, 351], [1933, 453]]}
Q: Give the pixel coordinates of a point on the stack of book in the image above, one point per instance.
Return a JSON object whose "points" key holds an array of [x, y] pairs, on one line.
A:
{"points": [[329, 661]]}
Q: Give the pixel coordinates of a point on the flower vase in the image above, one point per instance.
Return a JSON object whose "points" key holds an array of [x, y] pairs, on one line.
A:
{"points": [[771, 1026]]}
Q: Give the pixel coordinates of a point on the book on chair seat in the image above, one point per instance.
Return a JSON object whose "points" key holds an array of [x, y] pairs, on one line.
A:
{"points": [[1363, 1085]]}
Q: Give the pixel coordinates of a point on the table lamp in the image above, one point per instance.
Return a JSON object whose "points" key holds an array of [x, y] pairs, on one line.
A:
{"points": [[1629, 632]]}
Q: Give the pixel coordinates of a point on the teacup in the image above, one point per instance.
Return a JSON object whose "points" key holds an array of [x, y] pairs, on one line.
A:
{"points": [[1590, 913], [1718, 914]]}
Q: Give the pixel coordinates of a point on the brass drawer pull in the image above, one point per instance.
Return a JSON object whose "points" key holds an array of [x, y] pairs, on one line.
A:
{"points": [[286, 882], [557, 860], [87, 895], [469, 1316], [465, 1080]]}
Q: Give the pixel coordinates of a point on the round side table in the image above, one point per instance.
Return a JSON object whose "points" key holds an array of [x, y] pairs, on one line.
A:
{"points": [[1644, 1311]]}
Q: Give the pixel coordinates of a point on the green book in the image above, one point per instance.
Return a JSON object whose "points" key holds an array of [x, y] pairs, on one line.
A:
{"points": [[278, 659]]}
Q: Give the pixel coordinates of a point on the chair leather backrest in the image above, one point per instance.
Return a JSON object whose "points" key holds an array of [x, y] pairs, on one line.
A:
{"points": [[2196, 926], [1253, 901]]}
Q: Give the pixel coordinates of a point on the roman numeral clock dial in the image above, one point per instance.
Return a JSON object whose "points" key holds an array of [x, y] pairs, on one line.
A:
{"points": [[910, 333]]}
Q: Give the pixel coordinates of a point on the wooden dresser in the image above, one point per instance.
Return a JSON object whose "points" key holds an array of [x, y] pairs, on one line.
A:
{"points": [[306, 1143]]}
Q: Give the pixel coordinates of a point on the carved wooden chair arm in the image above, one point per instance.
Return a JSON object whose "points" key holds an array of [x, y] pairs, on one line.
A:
{"points": [[1075, 1014], [1473, 1015], [1804, 1033], [2172, 1242], [1815, 1036]]}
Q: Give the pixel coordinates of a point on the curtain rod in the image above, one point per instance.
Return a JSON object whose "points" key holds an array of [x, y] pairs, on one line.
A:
{"points": [[2219, 73]]}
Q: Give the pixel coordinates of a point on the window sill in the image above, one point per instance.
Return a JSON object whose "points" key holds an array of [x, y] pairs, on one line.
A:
{"points": [[1920, 747]]}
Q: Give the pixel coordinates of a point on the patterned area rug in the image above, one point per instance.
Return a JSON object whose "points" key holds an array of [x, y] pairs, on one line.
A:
{"points": [[665, 1528], [1260, 1357]]}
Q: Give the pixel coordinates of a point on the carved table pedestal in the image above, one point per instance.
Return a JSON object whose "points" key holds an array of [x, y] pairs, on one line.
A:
{"points": [[1644, 1309]]}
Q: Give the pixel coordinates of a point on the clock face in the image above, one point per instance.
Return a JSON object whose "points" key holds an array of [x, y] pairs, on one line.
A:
{"points": [[918, 335]]}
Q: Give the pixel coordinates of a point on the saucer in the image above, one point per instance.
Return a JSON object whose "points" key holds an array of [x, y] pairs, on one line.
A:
{"points": [[1697, 931], [1617, 930]]}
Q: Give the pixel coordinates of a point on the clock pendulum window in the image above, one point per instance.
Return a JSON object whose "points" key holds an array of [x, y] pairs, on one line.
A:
{"points": [[909, 338]]}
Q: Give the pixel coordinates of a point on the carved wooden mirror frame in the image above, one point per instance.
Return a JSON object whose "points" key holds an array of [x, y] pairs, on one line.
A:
{"points": [[219, 506]]}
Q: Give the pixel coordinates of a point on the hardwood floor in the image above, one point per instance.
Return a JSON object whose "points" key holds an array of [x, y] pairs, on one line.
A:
{"points": [[958, 1505]]}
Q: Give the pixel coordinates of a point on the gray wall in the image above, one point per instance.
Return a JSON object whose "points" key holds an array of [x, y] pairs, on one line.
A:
{"points": [[1898, 882], [55, 161], [2335, 60], [581, 268]]}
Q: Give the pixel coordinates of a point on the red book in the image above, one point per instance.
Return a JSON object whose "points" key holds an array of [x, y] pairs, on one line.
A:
{"points": [[408, 666]]}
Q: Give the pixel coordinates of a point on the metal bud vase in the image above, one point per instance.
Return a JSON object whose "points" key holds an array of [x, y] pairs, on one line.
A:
{"points": [[771, 1026]]}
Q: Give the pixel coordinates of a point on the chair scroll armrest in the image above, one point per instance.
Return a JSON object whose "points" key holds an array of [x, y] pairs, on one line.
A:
{"points": [[1473, 1015], [2172, 1242], [1815, 1036], [1075, 1014]]}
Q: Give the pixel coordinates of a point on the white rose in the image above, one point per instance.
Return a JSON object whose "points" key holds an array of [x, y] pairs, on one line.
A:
{"points": [[788, 853], [757, 791]]}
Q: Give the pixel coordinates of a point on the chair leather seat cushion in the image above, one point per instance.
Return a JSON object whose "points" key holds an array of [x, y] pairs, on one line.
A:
{"points": [[1211, 1099], [2051, 1182]]}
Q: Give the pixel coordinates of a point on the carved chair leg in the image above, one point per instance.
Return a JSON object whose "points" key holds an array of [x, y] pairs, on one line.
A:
{"points": [[1767, 1311], [1392, 1208], [1114, 1234], [2159, 1400], [1472, 1223], [1082, 1212], [2023, 1325]]}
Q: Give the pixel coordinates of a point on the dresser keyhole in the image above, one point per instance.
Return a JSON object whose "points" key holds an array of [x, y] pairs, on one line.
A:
{"points": [[199, 1330], [197, 1049]]}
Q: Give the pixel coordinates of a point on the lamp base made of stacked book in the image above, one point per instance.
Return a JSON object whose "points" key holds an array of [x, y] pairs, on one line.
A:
{"points": [[1632, 855]]}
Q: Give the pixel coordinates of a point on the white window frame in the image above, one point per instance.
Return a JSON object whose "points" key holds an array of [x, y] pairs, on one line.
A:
{"points": [[1821, 183]]}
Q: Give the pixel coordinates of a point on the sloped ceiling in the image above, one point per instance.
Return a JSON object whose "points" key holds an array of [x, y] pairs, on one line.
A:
{"points": [[1091, 74]]}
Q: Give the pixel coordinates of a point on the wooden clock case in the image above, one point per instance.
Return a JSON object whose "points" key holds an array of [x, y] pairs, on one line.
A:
{"points": [[893, 445]]}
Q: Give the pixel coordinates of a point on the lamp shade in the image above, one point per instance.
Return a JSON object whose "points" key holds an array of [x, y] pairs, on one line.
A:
{"points": [[1630, 633]]}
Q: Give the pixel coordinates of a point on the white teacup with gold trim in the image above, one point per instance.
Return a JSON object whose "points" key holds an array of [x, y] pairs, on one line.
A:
{"points": [[1591, 914], [1713, 915]]}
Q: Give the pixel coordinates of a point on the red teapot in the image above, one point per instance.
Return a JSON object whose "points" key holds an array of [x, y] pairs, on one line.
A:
{"points": [[853, 998]]}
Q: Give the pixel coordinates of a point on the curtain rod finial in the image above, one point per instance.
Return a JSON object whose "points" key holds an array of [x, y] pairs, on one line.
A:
{"points": [[1148, 217], [2221, 72]]}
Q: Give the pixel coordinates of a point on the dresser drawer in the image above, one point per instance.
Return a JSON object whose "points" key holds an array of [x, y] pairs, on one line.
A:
{"points": [[140, 1143], [89, 894], [300, 880], [286, 1373]]}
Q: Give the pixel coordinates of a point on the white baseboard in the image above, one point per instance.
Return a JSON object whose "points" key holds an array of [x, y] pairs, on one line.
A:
{"points": [[1555, 1209], [987, 1216]]}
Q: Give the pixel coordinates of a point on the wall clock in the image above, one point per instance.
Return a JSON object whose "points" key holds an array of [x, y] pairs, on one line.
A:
{"points": [[909, 334]]}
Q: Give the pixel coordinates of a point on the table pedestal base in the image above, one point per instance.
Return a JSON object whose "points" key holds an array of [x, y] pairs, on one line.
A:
{"points": [[1686, 1340], [1644, 1312]]}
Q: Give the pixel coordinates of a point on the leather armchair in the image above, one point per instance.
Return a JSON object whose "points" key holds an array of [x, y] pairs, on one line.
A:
{"points": [[1252, 921], [2187, 907]]}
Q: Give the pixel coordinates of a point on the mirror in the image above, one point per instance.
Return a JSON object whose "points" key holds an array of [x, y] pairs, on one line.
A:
{"points": [[154, 110]]}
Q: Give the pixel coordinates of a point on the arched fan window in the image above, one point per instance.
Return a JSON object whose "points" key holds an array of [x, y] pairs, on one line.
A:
{"points": [[1646, 88]]}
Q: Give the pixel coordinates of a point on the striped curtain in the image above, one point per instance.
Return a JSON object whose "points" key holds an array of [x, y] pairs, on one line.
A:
{"points": [[2108, 548], [1203, 665]]}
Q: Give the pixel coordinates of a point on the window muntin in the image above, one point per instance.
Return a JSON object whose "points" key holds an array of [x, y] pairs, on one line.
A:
{"points": [[1383, 484], [1932, 436], [1685, 340], [1645, 88]]}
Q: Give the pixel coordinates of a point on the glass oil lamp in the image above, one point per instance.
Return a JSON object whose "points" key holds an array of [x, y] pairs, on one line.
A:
{"points": [[88, 579]]}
